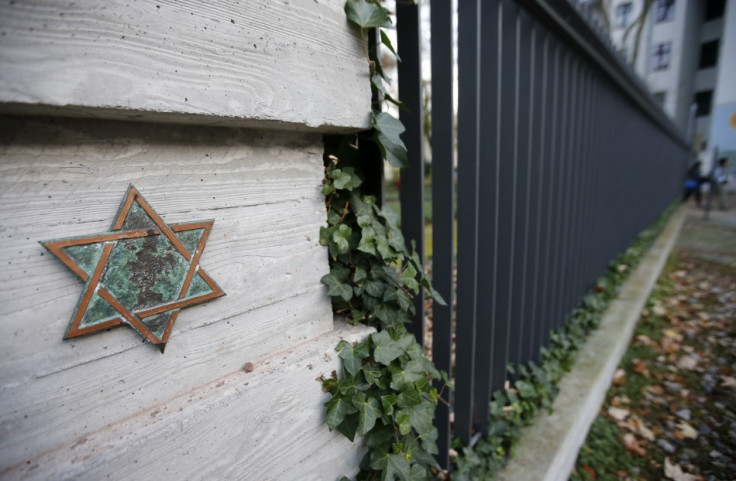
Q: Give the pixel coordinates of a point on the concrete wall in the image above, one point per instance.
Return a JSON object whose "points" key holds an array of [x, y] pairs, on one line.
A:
{"points": [[211, 112]]}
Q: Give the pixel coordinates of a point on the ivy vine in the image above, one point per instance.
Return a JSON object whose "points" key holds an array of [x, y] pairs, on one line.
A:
{"points": [[536, 385], [385, 390]]}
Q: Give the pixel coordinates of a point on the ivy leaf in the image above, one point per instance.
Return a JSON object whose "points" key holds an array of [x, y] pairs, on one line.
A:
{"points": [[388, 403], [341, 237], [392, 147], [435, 295], [349, 426], [341, 178], [337, 408], [421, 416], [392, 466], [387, 42], [405, 375], [418, 473], [526, 390], [375, 288], [373, 375], [369, 410], [367, 242], [428, 440], [352, 358], [335, 288], [328, 188], [324, 234], [359, 274], [358, 316], [408, 276], [403, 420], [387, 349], [367, 15], [345, 179]]}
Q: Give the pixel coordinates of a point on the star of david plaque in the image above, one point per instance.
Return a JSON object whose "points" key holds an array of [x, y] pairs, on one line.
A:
{"points": [[141, 273]]}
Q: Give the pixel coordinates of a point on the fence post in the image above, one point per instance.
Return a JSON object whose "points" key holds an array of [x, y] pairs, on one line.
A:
{"points": [[412, 177], [443, 205], [467, 208]]}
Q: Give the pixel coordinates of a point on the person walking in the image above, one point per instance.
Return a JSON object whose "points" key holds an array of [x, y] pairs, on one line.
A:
{"points": [[718, 184], [692, 183]]}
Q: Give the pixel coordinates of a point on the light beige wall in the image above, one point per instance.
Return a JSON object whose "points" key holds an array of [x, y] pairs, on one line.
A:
{"points": [[266, 63], [226, 123]]}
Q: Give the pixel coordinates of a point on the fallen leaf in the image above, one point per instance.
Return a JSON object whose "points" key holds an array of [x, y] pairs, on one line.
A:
{"points": [[687, 362], [655, 389], [639, 366], [619, 377], [728, 381], [644, 431], [633, 446], [591, 472], [687, 430], [675, 472], [642, 339], [672, 334], [659, 310], [618, 414]]}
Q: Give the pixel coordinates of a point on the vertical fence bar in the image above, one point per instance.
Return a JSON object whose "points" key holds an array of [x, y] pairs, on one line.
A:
{"points": [[412, 177], [560, 176], [552, 122], [570, 289], [542, 137], [443, 205], [468, 137], [520, 321], [486, 215], [505, 162]]}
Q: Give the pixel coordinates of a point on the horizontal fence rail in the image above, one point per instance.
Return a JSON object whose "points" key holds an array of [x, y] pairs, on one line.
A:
{"points": [[562, 159]]}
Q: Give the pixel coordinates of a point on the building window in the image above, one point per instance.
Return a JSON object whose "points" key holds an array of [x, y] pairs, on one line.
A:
{"points": [[661, 56], [665, 10], [659, 97], [623, 15], [708, 54], [714, 9], [703, 101]]}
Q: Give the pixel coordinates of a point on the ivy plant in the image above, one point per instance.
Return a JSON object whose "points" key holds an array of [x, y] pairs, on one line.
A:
{"points": [[384, 391]]}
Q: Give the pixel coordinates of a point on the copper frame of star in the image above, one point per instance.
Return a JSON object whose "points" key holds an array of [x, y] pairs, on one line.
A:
{"points": [[141, 273]]}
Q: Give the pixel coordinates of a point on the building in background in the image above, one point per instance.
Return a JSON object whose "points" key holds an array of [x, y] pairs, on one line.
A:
{"points": [[685, 50]]}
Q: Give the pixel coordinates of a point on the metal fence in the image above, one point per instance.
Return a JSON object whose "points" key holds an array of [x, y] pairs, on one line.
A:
{"points": [[562, 159]]}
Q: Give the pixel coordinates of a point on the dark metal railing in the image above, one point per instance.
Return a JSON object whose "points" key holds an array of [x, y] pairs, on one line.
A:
{"points": [[562, 159]]}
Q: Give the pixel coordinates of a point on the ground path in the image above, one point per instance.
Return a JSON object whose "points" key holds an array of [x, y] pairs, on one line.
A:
{"points": [[671, 411]]}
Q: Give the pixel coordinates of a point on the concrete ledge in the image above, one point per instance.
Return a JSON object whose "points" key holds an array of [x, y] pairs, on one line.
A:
{"points": [[548, 449], [293, 65]]}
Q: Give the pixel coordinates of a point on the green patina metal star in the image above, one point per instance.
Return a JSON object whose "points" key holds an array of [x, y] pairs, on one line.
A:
{"points": [[140, 273]]}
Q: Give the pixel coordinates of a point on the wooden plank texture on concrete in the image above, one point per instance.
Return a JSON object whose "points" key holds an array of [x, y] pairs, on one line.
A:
{"points": [[287, 64], [65, 177], [267, 424]]}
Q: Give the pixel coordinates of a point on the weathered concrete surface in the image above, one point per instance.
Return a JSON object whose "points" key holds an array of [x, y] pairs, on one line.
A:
{"points": [[286, 64], [547, 450], [267, 424], [66, 177]]}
